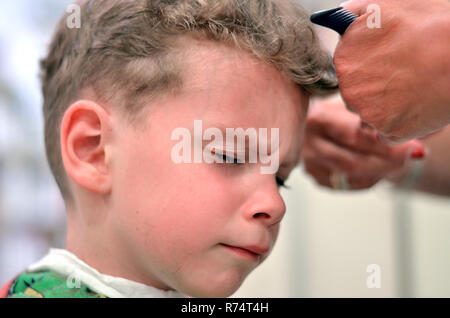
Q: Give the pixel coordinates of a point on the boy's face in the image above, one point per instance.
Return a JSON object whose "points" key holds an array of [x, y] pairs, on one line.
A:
{"points": [[177, 224]]}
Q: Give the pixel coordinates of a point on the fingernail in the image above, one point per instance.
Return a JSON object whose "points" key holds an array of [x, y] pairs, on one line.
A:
{"points": [[418, 153]]}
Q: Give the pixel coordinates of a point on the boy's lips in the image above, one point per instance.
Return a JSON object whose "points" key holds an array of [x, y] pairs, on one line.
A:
{"points": [[253, 252]]}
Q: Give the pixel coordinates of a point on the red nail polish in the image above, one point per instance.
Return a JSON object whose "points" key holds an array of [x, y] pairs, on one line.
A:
{"points": [[418, 153]]}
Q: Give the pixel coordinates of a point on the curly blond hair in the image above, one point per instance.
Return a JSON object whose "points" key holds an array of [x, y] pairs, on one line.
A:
{"points": [[125, 52]]}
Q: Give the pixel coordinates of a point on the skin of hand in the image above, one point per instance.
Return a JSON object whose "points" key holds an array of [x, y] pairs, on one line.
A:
{"points": [[336, 141], [397, 77], [434, 176]]}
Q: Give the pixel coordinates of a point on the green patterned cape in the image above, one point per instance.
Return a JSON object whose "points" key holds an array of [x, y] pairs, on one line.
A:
{"points": [[48, 284]]}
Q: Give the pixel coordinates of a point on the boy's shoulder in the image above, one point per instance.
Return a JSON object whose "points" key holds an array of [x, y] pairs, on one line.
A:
{"points": [[46, 284]]}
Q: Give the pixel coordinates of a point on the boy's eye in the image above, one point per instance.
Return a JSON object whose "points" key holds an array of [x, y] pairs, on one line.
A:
{"points": [[235, 161], [230, 159]]}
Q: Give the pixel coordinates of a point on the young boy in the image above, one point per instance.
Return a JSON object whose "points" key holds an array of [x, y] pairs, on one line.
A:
{"points": [[140, 222]]}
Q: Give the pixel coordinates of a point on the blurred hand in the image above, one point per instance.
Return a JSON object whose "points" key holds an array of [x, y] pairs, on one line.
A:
{"points": [[397, 77], [336, 141]]}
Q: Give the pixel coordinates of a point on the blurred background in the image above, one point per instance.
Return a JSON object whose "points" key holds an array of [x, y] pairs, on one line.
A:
{"points": [[327, 241]]}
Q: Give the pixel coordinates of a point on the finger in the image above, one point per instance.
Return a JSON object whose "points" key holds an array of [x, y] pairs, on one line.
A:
{"points": [[322, 176], [358, 165], [334, 156], [391, 140], [333, 122], [367, 141], [373, 168], [353, 136], [356, 180], [320, 173], [332, 119], [413, 149]]}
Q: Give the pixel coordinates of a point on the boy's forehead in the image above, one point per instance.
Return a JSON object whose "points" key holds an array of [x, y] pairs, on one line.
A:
{"points": [[210, 64], [231, 79]]}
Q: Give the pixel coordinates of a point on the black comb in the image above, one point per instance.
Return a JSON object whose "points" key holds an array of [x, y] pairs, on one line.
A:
{"points": [[337, 19]]}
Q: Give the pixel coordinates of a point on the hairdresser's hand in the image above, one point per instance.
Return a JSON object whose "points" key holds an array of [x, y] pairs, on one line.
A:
{"points": [[335, 141], [397, 77]]}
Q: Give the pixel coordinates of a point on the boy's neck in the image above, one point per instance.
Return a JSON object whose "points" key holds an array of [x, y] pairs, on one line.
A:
{"points": [[104, 252]]}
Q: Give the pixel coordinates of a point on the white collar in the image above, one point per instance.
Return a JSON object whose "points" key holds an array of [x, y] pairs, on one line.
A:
{"points": [[68, 264]]}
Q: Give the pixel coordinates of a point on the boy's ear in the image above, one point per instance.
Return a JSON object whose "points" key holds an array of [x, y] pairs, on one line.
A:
{"points": [[84, 136]]}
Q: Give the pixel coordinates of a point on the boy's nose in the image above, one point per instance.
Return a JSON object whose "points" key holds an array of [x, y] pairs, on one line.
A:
{"points": [[266, 205]]}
